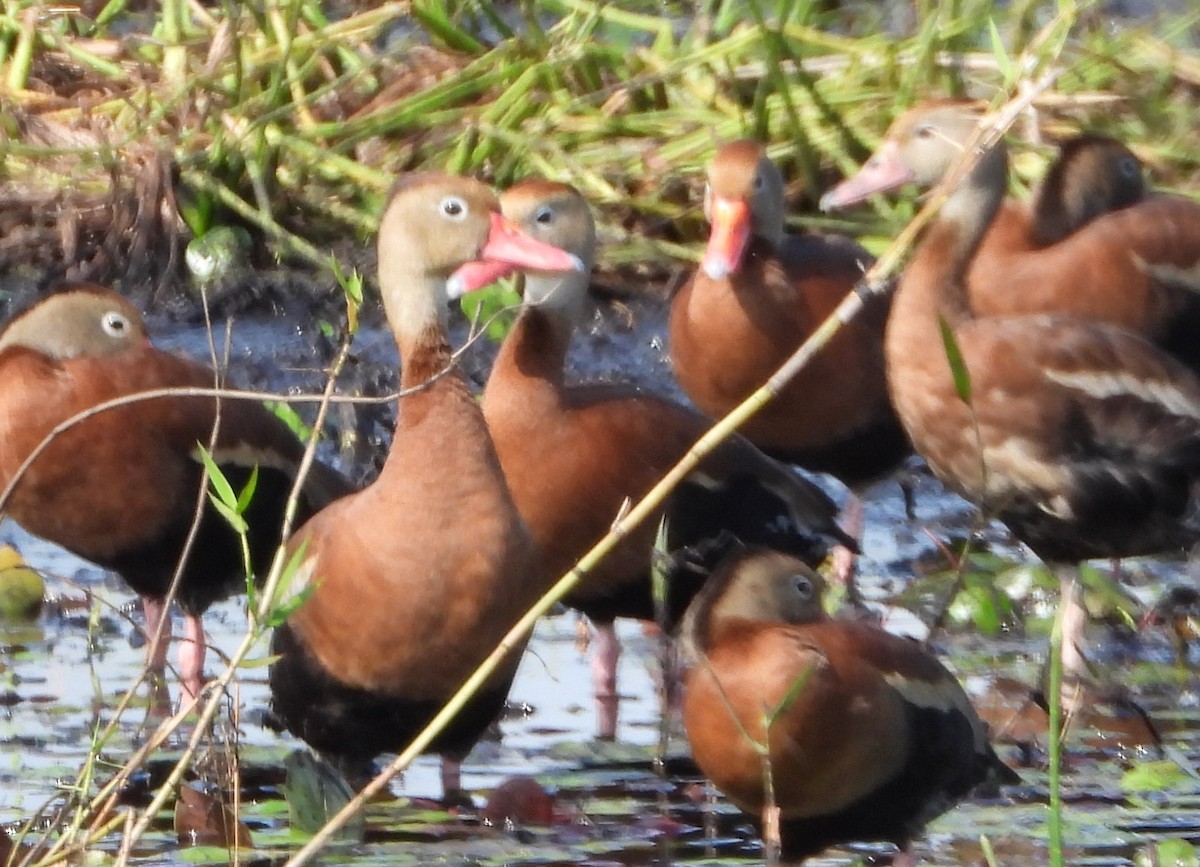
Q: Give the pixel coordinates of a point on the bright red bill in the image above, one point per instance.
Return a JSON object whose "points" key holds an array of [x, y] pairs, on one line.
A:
{"points": [[508, 249], [728, 239]]}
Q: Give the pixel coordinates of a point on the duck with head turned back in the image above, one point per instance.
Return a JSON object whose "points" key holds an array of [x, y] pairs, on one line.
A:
{"points": [[573, 454], [1082, 437], [877, 740], [417, 577], [1092, 175], [121, 488], [759, 293], [1136, 266]]}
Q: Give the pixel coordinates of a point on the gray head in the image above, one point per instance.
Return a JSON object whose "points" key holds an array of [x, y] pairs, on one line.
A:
{"points": [[84, 320]]}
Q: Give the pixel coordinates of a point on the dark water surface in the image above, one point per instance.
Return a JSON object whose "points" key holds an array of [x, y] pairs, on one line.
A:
{"points": [[61, 680]]}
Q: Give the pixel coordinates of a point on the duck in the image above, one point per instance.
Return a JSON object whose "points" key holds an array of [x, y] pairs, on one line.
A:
{"points": [[121, 488], [574, 453], [1094, 227], [871, 737], [757, 296], [412, 582], [1092, 175], [1081, 436]]}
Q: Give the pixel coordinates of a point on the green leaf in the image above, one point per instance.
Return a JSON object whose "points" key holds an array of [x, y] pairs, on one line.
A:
{"points": [[352, 288], [494, 308], [230, 514], [286, 600], [1175, 852], [259, 661], [958, 367], [793, 693], [222, 491], [247, 494], [287, 414], [1157, 776], [1000, 53], [435, 19], [658, 572]]}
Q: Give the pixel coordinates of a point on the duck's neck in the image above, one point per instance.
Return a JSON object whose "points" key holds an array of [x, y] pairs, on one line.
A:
{"points": [[417, 309], [536, 348], [771, 229], [1050, 216], [537, 345], [937, 273]]}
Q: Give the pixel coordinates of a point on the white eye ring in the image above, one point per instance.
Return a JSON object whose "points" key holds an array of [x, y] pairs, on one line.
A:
{"points": [[544, 215], [115, 324], [454, 208]]}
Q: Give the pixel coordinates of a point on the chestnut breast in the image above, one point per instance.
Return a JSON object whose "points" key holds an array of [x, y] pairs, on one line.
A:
{"points": [[115, 480], [1133, 268], [597, 445], [729, 335], [844, 734], [407, 599]]}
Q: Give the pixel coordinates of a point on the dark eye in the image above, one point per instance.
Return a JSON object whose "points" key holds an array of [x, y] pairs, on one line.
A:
{"points": [[758, 182], [924, 131], [454, 208], [803, 586], [1129, 167], [115, 324], [544, 215]]}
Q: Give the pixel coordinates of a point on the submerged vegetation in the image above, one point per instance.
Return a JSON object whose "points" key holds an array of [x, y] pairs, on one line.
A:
{"points": [[130, 129]]}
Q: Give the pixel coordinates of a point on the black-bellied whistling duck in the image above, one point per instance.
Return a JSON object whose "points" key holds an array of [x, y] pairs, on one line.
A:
{"points": [[874, 738], [120, 489], [1082, 437], [417, 577], [1093, 250], [1092, 175], [757, 295], [574, 453]]}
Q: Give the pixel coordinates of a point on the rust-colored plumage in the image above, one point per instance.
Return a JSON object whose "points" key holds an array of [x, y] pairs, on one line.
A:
{"points": [[759, 293], [417, 577], [1092, 176], [573, 454], [1081, 436], [872, 737], [120, 488]]}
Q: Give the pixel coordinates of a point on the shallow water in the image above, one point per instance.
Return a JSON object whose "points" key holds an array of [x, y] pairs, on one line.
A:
{"points": [[60, 680]]}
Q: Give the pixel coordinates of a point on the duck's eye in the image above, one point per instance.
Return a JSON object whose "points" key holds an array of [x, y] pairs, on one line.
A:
{"points": [[803, 586], [544, 215], [758, 182], [115, 324], [924, 131], [454, 208], [1129, 167]]}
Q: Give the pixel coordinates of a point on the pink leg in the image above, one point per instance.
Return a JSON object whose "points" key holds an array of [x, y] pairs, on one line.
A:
{"points": [[191, 657], [606, 650], [156, 649], [1075, 670], [904, 858], [1074, 621], [842, 568]]}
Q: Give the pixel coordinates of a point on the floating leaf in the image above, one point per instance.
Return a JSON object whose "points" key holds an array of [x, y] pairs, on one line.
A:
{"points": [[315, 792], [21, 588], [202, 819]]}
